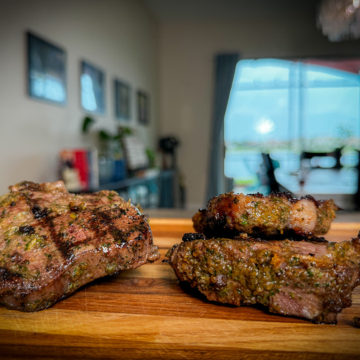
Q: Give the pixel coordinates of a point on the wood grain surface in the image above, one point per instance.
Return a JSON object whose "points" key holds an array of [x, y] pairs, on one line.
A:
{"points": [[145, 314]]}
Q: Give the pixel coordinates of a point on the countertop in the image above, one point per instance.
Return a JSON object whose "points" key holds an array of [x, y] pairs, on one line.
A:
{"points": [[145, 314]]}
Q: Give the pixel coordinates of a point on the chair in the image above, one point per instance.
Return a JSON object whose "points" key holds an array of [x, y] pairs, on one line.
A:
{"points": [[274, 185], [336, 154]]}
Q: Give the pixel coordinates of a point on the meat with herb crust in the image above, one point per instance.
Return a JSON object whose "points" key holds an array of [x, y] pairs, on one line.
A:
{"points": [[229, 214], [308, 279], [53, 242]]}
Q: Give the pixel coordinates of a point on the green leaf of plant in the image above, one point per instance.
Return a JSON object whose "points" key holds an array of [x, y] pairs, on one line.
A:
{"points": [[87, 122], [104, 135]]}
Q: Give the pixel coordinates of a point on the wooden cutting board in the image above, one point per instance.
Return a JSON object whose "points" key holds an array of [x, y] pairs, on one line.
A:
{"points": [[144, 314]]}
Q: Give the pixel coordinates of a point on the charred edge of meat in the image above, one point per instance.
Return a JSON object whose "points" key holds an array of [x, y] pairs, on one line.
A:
{"points": [[39, 213], [26, 230], [215, 228], [9, 275], [26, 185], [256, 236], [356, 241], [318, 203], [192, 236], [285, 195], [290, 235], [295, 237]]}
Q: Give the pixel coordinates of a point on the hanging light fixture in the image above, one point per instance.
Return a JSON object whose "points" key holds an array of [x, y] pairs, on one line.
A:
{"points": [[340, 19]]}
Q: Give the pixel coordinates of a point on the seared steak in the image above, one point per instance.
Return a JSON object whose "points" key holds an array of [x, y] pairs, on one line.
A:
{"points": [[229, 214], [53, 242], [312, 280]]}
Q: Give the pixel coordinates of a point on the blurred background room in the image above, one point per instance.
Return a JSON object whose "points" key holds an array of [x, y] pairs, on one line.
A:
{"points": [[172, 102]]}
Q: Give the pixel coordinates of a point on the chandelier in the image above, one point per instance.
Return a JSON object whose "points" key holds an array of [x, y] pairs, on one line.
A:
{"points": [[340, 19]]}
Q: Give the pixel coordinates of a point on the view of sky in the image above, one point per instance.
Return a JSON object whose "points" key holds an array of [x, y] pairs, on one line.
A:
{"points": [[284, 100]]}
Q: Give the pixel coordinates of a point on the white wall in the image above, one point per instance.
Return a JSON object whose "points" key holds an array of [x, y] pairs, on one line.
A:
{"points": [[187, 49], [118, 36]]}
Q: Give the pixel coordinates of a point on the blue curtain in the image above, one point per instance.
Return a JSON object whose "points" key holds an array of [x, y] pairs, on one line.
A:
{"points": [[224, 73]]}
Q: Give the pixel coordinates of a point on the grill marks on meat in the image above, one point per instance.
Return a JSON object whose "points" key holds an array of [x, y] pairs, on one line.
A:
{"points": [[312, 280], [276, 215], [53, 242]]}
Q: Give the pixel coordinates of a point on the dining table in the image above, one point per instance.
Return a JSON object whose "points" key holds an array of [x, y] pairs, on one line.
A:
{"points": [[339, 184], [146, 313]]}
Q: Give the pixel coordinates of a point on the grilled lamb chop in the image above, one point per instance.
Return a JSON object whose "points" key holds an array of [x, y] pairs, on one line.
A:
{"points": [[277, 215], [53, 242], [307, 279]]}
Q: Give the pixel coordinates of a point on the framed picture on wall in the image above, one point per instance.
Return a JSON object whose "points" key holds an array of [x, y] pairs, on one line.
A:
{"points": [[122, 100], [143, 107], [92, 81], [46, 70]]}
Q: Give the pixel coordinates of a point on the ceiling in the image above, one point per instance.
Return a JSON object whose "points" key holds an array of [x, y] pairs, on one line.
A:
{"points": [[207, 10]]}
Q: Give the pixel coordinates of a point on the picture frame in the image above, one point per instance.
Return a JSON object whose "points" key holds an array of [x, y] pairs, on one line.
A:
{"points": [[92, 85], [46, 70], [135, 153], [122, 100], [143, 106]]}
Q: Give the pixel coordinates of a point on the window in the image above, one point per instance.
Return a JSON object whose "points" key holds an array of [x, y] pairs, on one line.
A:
{"points": [[286, 107]]}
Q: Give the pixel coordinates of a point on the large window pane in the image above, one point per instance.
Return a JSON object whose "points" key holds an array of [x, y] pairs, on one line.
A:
{"points": [[286, 107], [330, 117]]}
